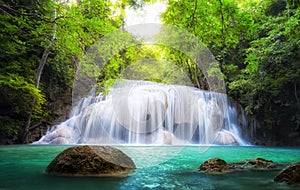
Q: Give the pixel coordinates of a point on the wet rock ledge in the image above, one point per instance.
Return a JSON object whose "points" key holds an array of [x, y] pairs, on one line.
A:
{"points": [[91, 161]]}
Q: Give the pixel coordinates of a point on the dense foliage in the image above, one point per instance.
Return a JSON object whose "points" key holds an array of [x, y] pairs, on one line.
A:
{"points": [[43, 43], [257, 46]]}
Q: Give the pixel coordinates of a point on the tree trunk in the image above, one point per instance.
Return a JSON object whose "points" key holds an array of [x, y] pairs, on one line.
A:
{"points": [[25, 132]]}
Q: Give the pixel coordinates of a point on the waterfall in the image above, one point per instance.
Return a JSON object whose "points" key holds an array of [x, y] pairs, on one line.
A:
{"points": [[140, 112]]}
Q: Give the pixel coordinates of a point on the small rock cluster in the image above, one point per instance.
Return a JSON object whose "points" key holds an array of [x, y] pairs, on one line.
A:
{"points": [[259, 163], [217, 165], [290, 175]]}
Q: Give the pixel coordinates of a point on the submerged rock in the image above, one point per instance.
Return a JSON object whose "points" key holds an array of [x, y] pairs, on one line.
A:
{"points": [[91, 161], [217, 165], [259, 163], [290, 175]]}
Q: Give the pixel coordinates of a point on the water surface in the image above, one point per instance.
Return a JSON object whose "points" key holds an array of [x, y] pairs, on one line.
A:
{"points": [[22, 167]]}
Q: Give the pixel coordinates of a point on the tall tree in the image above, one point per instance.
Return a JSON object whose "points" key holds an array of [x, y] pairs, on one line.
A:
{"points": [[29, 49], [25, 28]]}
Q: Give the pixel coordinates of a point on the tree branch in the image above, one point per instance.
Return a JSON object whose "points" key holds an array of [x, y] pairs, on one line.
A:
{"points": [[222, 15], [35, 126], [194, 11], [5, 11], [43, 62], [17, 12], [296, 94]]}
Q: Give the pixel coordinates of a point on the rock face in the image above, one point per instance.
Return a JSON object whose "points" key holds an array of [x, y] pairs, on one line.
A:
{"points": [[290, 175], [91, 161], [217, 165], [225, 137], [60, 105]]}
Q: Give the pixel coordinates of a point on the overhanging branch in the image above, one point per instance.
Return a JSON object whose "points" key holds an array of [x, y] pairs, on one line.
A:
{"points": [[14, 12]]}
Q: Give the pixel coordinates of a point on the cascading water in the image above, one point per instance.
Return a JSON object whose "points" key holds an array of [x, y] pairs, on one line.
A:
{"points": [[139, 112]]}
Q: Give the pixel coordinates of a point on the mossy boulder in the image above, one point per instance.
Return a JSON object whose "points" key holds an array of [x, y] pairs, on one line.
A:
{"points": [[290, 175], [91, 161]]}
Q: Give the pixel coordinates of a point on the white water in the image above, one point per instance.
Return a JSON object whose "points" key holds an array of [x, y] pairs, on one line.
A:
{"points": [[139, 112]]}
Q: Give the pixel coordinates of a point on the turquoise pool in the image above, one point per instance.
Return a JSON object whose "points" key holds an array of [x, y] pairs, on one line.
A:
{"points": [[22, 167]]}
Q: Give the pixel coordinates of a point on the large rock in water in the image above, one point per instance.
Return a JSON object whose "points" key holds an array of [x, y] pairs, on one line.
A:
{"points": [[290, 175], [91, 161]]}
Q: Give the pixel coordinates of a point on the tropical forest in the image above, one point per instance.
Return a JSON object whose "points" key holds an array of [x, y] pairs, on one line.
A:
{"points": [[216, 79]]}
